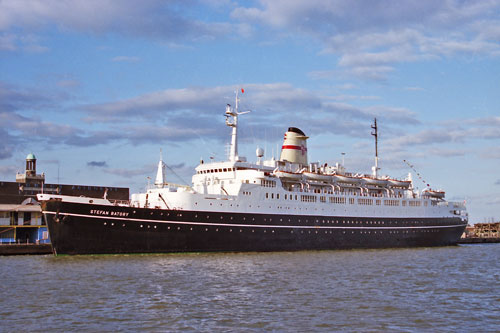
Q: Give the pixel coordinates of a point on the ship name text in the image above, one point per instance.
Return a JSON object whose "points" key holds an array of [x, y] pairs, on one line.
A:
{"points": [[108, 213]]}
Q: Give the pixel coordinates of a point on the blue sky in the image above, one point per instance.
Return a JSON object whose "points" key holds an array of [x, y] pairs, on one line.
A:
{"points": [[95, 88]]}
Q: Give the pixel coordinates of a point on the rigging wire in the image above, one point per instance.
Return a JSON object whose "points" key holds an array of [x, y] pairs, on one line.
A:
{"points": [[418, 174], [175, 174]]}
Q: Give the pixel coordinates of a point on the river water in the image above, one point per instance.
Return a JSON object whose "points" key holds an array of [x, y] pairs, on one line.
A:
{"points": [[446, 289]]}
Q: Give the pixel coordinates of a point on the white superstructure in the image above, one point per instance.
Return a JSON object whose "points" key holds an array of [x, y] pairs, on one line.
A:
{"points": [[292, 186]]}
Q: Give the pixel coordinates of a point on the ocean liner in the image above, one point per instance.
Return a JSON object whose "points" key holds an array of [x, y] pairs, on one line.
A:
{"points": [[270, 205]]}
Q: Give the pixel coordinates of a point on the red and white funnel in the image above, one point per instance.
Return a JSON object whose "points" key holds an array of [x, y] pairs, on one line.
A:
{"points": [[294, 149]]}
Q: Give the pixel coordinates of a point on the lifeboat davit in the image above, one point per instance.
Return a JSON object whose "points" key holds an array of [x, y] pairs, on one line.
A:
{"points": [[288, 175], [317, 176], [375, 181]]}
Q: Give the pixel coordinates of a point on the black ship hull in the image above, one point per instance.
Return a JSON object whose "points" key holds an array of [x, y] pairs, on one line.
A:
{"points": [[77, 228]]}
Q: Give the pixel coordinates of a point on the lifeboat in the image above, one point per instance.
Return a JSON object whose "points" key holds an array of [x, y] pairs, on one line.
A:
{"points": [[375, 181], [434, 194], [347, 179], [286, 175], [317, 176], [399, 183]]}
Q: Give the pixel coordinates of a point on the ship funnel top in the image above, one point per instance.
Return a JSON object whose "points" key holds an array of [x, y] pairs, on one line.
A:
{"points": [[296, 130], [294, 149]]}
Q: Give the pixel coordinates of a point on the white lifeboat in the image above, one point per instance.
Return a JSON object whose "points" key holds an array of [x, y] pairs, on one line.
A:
{"points": [[347, 179], [399, 183], [288, 175], [317, 176], [375, 181], [434, 194]]}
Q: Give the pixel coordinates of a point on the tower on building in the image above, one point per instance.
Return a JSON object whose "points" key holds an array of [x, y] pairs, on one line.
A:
{"points": [[30, 175]]}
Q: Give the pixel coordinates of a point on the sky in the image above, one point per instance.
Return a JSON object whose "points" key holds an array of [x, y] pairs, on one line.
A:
{"points": [[95, 88]]}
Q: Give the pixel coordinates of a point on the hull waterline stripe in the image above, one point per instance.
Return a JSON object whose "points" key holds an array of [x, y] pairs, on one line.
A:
{"points": [[246, 225]]}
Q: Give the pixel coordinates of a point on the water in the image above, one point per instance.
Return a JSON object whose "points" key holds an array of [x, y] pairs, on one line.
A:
{"points": [[445, 289]]}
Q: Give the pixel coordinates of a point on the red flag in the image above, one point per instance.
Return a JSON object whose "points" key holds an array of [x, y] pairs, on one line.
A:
{"points": [[242, 90]]}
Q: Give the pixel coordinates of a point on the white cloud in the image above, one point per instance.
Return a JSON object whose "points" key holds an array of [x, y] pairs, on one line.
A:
{"points": [[371, 37], [149, 18], [177, 115], [8, 170]]}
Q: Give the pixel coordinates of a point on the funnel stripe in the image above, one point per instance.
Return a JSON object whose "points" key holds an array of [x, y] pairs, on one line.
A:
{"points": [[293, 147]]}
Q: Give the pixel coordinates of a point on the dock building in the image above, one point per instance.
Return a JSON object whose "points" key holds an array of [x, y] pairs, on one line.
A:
{"points": [[20, 214]]}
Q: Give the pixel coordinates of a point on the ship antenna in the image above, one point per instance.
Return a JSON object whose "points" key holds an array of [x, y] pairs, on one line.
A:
{"points": [[234, 113], [375, 134]]}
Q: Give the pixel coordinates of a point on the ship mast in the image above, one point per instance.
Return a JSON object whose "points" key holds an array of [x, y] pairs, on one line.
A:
{"points": [[233, 112], [375, 134]]}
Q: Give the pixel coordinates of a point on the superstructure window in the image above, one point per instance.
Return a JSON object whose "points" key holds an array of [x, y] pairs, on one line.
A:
{"points": [[308, 198], [363, 201]]}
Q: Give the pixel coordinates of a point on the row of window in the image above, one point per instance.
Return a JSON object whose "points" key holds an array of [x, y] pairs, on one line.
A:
{"points": [[216, 170], [342, 200], [93, 188], [268, 183]]}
